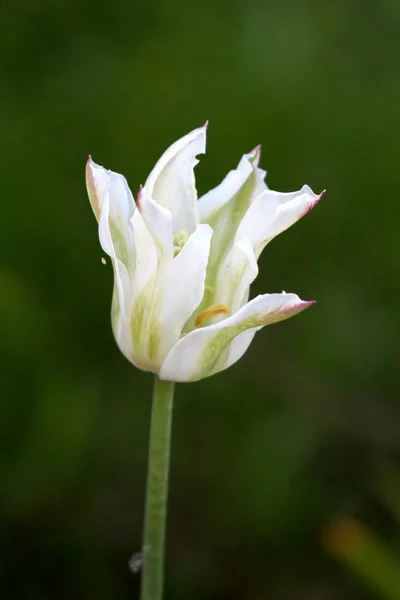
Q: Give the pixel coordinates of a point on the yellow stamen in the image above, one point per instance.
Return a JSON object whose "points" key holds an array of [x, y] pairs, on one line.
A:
{"points": [[211, 311], [209, 289]]}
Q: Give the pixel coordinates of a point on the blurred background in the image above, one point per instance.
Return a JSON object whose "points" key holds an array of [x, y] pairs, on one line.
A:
{"points": [[285, 480]]}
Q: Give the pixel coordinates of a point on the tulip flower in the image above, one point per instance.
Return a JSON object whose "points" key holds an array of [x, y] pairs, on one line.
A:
{"points": [[182, 274], [183, 267]]}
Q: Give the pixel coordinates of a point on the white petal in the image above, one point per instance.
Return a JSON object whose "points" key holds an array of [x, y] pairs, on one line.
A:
{"points": [[101, 185], [145, 257], [224, 208], [168, 299], [121, 301], [97, 185], [273, 212], [158, 222], [215, 199], [183, 287], [172, 184], [199, 353]]}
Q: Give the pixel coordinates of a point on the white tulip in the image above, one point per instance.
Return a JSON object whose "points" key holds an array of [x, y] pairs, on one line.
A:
{"points": [[183, 267]]}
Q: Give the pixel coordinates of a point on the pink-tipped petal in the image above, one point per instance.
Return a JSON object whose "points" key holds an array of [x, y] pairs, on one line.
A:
{"points": [[272, 212], [207, 350]]}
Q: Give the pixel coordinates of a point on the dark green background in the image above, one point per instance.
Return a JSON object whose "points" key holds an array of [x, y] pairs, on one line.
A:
{"points": [[305, 429]]}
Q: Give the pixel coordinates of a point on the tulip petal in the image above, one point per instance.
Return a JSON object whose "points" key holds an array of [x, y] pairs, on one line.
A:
{"points": [[168, 299], [145, 255], [272, 213], [205, 351], [210, 203], [225, 206], [234, 351], [158, 222], [120, 308], [183, 287], [172, 184], [97, 185], [143, 324], [103, 184]]}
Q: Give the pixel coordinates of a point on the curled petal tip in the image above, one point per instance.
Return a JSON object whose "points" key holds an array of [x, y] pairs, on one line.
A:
{"points": [[257, 150], [317, 199], [296, 308], [205, 126], [308, 303], [314, 203]]}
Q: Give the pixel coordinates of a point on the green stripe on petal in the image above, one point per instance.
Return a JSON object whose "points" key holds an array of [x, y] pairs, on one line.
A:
{"points": [[168, 299], [145, 327], [223, 208]]}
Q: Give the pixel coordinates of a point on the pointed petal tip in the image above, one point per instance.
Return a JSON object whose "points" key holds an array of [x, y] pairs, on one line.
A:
{"points": [[313, 203], [256, 150], [304, 303], [307, 303], [91, 165], [93, 186], [297, 306], [292, 309], [91, 169]]}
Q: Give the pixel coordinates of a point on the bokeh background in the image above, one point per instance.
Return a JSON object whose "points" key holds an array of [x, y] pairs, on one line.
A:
{"points": [[285, 476]]}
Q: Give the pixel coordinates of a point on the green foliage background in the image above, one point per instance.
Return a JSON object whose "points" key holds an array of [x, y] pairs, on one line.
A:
{"points": [[304, 430]]}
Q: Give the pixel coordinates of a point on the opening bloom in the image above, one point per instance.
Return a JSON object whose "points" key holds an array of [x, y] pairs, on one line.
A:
{"points": [[183, 267]]}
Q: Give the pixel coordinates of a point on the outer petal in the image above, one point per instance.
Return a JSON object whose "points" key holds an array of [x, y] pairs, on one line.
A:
{"points": [[168, 300], [234, 351], [171, 183], [113, 205], [105, 185], [273, 212], [121, 301], [143, 309], [200, 353], [183, 287]]}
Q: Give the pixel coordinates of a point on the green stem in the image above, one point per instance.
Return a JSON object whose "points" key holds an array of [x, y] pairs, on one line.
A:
{"points": [[157, 491]]}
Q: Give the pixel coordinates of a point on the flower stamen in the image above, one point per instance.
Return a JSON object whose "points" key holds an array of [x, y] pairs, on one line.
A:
{"points": [[179, 240], [211, 311]]}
